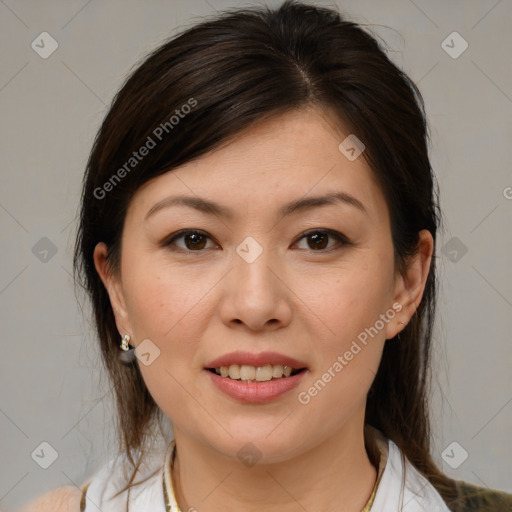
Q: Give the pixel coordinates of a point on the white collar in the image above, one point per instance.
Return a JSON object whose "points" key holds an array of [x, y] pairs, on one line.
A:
{"points": [[417, 495]]}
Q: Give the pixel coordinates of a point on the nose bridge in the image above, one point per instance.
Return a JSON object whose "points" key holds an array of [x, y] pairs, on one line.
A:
{"points": [[253, 262], [255, 294]]}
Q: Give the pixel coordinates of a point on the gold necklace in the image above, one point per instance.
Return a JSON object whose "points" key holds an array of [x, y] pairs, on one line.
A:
{"points": [[171, 505]]}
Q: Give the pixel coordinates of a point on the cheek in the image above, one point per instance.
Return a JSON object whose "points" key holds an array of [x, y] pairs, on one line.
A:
{"points": [[168, 306], [162, 300], [348, 353], [167, 311], [351, 299]]}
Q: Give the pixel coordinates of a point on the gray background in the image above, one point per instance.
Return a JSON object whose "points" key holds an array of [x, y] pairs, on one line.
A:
{"points": [[51, 388]]}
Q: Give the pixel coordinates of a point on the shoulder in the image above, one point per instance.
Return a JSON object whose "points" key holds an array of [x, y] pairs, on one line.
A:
{"points": [[61, 499], [108, 488], [482, 499]]}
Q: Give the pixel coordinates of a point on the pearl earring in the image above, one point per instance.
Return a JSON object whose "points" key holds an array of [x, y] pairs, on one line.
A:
{"points": [[127, 354], [124, 343]]}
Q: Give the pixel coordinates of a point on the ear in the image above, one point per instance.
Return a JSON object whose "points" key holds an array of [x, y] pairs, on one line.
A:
{"points": [[409, 287], [114, 289]]}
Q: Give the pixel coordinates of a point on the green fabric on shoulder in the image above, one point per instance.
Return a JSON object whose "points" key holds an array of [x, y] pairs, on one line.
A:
{"points": [[474, 498]]}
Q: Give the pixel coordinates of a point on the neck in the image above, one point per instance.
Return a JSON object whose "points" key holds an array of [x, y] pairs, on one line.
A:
{"points": [[336, 471]]}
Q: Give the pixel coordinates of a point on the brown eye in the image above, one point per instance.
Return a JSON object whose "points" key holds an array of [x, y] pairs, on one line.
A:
{"points": [[318, 240], [194, 241]]}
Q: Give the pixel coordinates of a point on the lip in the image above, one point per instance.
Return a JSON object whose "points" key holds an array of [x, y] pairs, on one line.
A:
{"points": [[255, 392], [260, 359]]}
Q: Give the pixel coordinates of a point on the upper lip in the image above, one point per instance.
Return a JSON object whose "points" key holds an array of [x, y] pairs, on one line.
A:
{"points": [[259, 359]]}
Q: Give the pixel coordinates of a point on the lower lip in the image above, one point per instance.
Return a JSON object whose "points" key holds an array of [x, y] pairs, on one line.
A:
{"points": [[256, 392]]}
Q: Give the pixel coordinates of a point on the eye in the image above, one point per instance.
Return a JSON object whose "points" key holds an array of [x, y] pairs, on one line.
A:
{"points": [[319, 239], [194, 240]]}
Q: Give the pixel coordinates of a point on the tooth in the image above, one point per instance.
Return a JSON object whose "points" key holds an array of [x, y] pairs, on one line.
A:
{"points": [[277, 371], [246, 372], [264, 373], [234, 371]]}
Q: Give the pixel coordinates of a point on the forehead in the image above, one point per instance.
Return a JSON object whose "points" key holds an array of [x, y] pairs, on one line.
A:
{"points": [[286, 157]]}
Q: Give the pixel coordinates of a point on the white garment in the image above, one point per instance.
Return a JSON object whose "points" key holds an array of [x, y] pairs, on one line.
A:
{"points": [[418, 494]]}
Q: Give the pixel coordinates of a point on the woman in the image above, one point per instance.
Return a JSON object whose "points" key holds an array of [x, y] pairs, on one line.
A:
{"points": [[257, 235]]}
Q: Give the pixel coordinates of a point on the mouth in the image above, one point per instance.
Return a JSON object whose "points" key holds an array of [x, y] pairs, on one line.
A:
{"points": [[249, 373], [256, 378], [251, 367]]}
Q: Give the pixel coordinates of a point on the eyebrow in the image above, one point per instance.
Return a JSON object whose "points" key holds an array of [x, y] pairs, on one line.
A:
{"points": [[296, 206]]}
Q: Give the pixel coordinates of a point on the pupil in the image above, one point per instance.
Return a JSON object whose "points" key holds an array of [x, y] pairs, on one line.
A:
{"points": [[194, 237], [316, 237]]}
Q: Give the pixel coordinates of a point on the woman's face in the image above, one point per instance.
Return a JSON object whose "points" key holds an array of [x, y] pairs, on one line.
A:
{"points": [[256, 277]]}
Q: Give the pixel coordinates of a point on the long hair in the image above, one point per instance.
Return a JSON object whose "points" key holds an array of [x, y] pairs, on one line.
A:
{"points": [[233, 71]]}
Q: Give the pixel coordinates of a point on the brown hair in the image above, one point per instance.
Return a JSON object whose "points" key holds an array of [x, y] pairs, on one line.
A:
{"points": [[234, 71]]}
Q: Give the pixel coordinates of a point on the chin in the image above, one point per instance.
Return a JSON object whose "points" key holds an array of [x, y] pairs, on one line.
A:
{"points": [[254, 444]]}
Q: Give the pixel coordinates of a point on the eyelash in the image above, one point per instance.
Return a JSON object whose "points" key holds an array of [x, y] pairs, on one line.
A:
{"points": [[340, 237]]}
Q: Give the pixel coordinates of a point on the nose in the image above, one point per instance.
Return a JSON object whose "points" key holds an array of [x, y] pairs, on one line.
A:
{"points": [[256, 295]]}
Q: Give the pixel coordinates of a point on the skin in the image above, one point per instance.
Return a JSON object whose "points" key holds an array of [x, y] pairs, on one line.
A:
{"points": [[294, 299], [61, 499]]}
